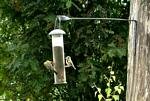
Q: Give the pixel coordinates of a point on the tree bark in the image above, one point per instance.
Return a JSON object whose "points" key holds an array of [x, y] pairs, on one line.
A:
{"points": [[138, 71]]}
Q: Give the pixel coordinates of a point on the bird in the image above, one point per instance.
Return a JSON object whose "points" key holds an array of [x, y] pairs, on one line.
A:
{"points": [[50, 65], [69, 62]]}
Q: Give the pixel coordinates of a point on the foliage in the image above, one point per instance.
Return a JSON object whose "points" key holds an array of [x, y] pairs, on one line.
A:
{"points": [[112, 93], [93, 45]]}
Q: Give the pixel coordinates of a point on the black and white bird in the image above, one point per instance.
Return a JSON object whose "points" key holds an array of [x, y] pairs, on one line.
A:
{"points": [[69, 62], [50, 66]]}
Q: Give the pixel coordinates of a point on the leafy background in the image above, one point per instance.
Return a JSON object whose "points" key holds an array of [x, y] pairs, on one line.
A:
{"points": [[98, 50]]}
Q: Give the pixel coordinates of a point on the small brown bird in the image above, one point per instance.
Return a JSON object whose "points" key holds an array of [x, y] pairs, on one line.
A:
{"points": [[69, 62], [50, 66]]}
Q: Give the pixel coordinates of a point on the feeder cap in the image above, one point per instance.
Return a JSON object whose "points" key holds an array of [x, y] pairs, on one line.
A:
{"points": [[57, 32]]}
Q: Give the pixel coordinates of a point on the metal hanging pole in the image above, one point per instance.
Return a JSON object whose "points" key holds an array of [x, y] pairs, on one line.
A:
{"points": [[117, 19], [65, 18]]}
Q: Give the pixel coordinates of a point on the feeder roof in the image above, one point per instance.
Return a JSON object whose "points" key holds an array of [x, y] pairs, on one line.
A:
{"points": [[57, 32]]}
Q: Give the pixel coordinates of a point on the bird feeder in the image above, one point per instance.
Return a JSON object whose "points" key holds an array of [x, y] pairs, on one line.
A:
{"points": [[58, 56]]}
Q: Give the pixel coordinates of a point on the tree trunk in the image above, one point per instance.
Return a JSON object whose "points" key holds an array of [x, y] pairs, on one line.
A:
{"points": [[138, 72]]}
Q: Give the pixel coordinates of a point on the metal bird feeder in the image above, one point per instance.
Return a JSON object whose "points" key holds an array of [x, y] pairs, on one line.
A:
{"points": [[58, 56]]}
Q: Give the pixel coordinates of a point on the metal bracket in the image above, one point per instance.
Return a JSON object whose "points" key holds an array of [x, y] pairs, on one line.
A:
{"points": [[66, 18], [60, 18]]}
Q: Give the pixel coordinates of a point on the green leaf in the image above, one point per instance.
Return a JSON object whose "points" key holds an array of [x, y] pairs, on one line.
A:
{"points": [[111, 53], [114, 78], [111, 72], [100, 97], [109, 31], [122, 88], [50, 18], [99, 90], [108, 99], [112, 45], [34, 65], [18, 89], [108, 91], [83, 77], [116, 97], [117, 89], [2, 89], [108, 84], [69, 4], [109, 67], [121, 52]]}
